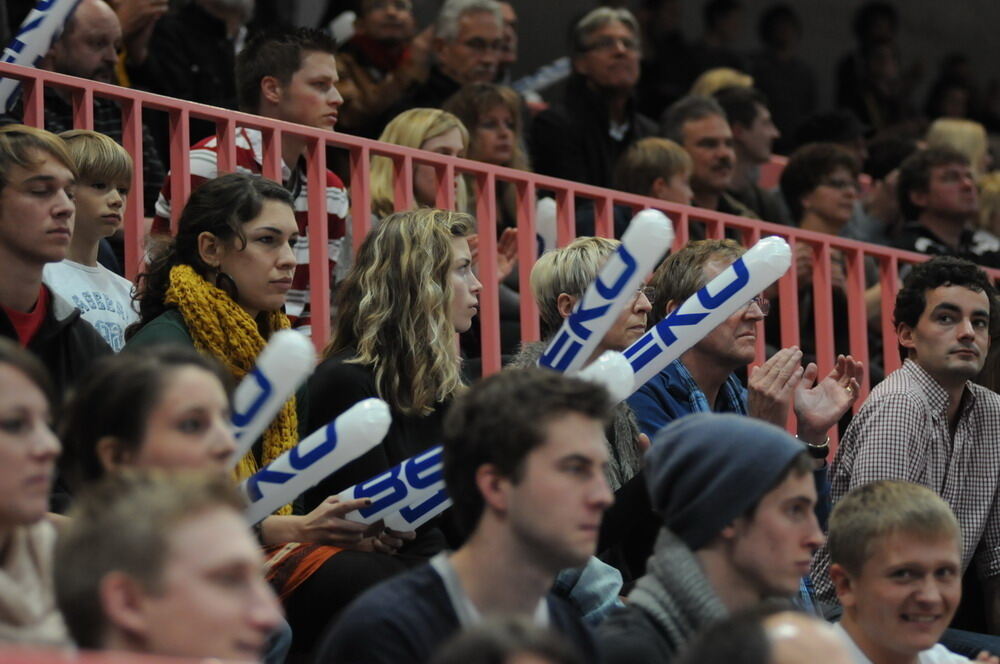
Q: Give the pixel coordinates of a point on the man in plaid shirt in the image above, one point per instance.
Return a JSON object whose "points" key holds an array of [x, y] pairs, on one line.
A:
{"points": [[927, 422]]}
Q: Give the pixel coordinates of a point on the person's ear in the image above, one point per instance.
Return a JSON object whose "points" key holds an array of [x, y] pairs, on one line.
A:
{"points": [[111, 453], [123, 603], [739, 132], [658, 188], [669, 307], [492, 487], [437, 45], [843, 585], [905, 335], [564, 304], [270, 89], [210, 249], [919, 198]]}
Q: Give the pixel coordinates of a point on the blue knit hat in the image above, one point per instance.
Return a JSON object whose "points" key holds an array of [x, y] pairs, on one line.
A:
{"points": [[706, 469]]}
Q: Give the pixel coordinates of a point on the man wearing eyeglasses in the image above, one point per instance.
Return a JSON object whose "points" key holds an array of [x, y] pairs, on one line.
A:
{"points": [[582, 138], [703, 379], [467, 44]]}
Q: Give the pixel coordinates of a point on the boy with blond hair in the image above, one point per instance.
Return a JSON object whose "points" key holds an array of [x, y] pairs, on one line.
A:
{"points": [[104, 298], [896, 565]]}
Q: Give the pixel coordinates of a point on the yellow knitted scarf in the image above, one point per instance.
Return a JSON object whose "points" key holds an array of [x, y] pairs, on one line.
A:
{"points": [[221, 328]]}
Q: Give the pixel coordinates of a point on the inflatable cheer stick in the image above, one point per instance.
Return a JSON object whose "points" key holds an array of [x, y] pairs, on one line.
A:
{"points": [[285, 362], [647, 238], [405, 496], [701, 313], [40, 28], [323, 452], [613, 371]]}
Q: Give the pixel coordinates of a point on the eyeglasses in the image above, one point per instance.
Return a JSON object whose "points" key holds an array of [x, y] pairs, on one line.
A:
{"points": [[762, 303], [648, 291], [841, 184], [480, 45], [611, 43]]}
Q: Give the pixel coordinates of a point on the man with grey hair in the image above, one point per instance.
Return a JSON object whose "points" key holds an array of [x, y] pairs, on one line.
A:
{"points": [[699, 125], [467, 45], [582, 138]]}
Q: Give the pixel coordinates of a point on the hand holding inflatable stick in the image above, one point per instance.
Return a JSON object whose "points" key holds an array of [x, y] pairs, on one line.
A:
{"points": [[646, 240], [734, 287], [285, 362], [326, 450]]}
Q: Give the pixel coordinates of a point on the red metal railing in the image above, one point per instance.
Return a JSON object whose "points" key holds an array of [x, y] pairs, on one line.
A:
{"points": [[526, 186]]}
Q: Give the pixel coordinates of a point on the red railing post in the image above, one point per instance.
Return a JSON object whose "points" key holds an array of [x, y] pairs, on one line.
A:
{"points": [[319, 235]]}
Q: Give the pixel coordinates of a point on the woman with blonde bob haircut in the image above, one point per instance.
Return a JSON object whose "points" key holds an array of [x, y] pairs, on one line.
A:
{"points": [[410, 290], [428, 129], [966, 136]]}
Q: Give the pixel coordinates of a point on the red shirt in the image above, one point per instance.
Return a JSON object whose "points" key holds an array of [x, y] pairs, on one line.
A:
{"points": [[27, 324]]}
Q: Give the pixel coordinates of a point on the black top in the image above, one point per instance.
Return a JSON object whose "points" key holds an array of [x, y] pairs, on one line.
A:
{"points": [[976, 246], [405, 619]]}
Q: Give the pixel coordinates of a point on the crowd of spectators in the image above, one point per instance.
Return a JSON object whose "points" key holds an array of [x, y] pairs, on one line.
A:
{"points": [[683, 523]]}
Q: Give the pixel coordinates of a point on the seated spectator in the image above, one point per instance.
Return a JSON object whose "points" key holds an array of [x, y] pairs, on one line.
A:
{"points": [[937, 194], [652, 166], [781, 74], [467, 46], [104, 174], [582, 138], [163, 564], [664, 77], [394, 339], [190, 55], [558, 280], [966, 136], [492, 115], [927, 422], [288, 74], [28, 451], [753, 136], [699, 125], [380, 64], [87, 48], [719, 78], [429, 129], [506, 641], [703, 378], [220, 284], [880, 217], [37, 174], [736, 499], [768, 634], [523, 457], [441, 132], [820, 186], [877, 530]]}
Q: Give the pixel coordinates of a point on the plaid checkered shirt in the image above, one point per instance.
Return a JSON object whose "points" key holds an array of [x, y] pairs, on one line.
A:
{"points": [[901, 432]]}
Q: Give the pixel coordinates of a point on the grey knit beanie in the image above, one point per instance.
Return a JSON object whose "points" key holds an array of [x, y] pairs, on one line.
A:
{"points": [[706, 469]]}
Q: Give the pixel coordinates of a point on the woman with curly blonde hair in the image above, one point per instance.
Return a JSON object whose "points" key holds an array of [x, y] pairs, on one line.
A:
{"points": [[409, 291], [428, 129]]}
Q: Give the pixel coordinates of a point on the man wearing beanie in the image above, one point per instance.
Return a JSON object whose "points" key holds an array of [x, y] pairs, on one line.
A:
{"points": [[736, 497]]}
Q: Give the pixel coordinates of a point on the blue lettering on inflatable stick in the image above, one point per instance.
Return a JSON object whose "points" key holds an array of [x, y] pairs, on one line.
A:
{"points": [[266, 476], [240, 420], [414, 512], [548, 358], [629, 267], [710, 301], [582, 315], [302, 461], [429, 463], [389, 484], [676, 320]]}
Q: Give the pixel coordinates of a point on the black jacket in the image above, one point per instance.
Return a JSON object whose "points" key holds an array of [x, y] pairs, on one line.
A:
{"points": [[65, 343], [572, 141]]}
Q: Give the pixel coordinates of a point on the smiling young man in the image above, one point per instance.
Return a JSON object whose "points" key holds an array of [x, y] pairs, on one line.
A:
{"points": [[37, 177], [290, 75], [736, 499], [524, 458], [164, 564], [928, 423], [897, 570]]}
